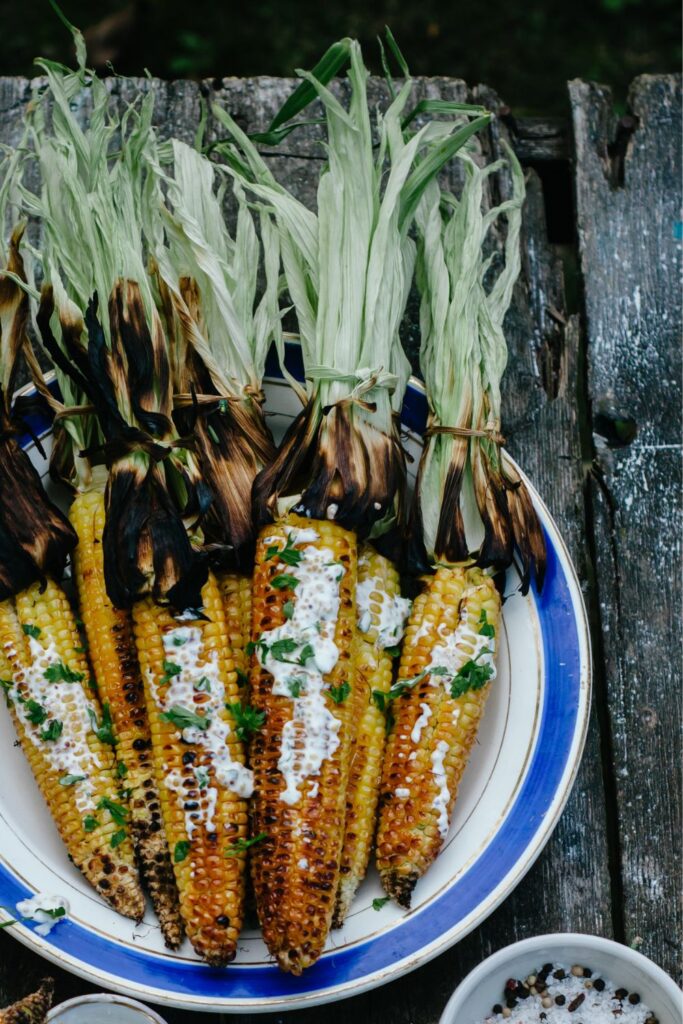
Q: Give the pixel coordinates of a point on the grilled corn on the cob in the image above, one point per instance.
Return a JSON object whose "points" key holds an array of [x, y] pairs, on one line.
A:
{"points": [[443, 682], [66, 739], [114, 660], [190, 682], [381, 613], [301, 682]]}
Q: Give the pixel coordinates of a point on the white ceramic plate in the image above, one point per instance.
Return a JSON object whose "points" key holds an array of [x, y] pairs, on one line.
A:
{"points": [[514, 789]]}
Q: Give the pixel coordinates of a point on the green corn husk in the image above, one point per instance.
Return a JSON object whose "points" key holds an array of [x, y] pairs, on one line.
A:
{"points": [[99, 322], [35, 538], [470, 504], [348, 270], [220, 336]]}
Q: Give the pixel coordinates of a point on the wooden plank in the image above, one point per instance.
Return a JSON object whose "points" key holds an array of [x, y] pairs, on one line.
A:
{"points": [[569, 886], [628, 194]]}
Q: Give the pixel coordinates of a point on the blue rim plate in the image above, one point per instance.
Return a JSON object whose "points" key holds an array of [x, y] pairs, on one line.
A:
{"points": [[513, 792]]}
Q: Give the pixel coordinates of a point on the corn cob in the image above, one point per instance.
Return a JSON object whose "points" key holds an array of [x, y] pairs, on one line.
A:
{"points": [[301, 681], [32, 1009], [236, 592], [452, 631], [381, 614], [66, 740], [114, 660], [190, 680]]}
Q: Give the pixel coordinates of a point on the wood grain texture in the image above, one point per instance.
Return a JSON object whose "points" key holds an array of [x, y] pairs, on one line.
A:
{"points": [[628, 198], [569, 887]]}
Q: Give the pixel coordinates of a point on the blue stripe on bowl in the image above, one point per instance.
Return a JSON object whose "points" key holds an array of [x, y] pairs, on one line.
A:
{"points": [[558, 726]]}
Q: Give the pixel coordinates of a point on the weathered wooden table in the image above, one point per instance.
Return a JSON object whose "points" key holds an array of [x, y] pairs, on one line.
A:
{"points": [[593, 414]]}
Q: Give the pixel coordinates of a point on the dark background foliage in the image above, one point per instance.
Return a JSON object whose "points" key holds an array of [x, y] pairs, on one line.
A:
{"points": [[525, 50]]}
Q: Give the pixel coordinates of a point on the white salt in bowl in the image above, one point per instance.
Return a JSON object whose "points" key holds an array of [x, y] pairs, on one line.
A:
{"points": [[473, 999], [103, 1008]]}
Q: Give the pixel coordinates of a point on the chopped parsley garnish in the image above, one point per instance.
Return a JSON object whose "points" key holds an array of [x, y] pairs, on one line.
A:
{"points": [[6, 686], [80, 650], [31, 630], [181, 850], [170, 670], [248, 720], [279, 648], [288, 609], [35, 712], [294, 687], [340, 693], [183, 718], [121, 770], [6, 924], [485, 627], [288, 554], [52, 731], [284, 580], [179, 641], [471, 677], [117, 838], [71, 780], [242, 677], [90, 823], [307, 652], [249, 647], [203, 685], [394, 651], [380, 902], [54, 912], [202, 777], [380, 699], [117, 812], [104, 729], [58, 672], [241, 845]]}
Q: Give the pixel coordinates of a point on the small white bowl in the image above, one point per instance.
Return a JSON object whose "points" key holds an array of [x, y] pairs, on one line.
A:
{"points": [[472, 1000], [103, 1008]]}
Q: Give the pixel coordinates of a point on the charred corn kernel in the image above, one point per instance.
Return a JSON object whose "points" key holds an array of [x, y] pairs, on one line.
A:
{"points": [[236, 592], [111, 646], [190, 681], [33, 1009], [446, 668], [64, 735], [381, 613], [301, 682]]}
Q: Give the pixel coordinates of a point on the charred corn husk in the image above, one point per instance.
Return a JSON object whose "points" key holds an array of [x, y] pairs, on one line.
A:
{"points": [[381, 614], [66, 739], [31, 1009], [444, 678], [114, 660], [302, 632], [190, 682]]}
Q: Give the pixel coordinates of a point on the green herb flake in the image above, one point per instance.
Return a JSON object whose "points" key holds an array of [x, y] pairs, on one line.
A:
{"points": [[35, 712], [170, 670], [203, 685], [249, 648], [179, 641], [58, 672], [242, 677], [121, 770], [288, 554], [380, 902], [394, 651], [485, 627], [340, 693], [241, 845], [288, 609], [117, 812], [202, 777], [6, 924], [183, 718], [284, 580], [117, 838], [294, 687], [71, 780], [31, 630], [6, 686], [53, 730], [307, 652], [471, 677], [80, 650], [280, 648], [247, 719], [104, 730], [181, 850], [55, 912], [90, 823]]}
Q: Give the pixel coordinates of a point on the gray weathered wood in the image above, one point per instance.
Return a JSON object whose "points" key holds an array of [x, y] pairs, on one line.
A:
{"points": [[569, 887], [631, 257]]}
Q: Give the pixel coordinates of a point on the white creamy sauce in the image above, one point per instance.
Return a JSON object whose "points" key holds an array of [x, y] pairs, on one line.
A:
{"points": [[312, 734], [420, 724], [63, 702], [443, 796], [183, 649], [36, 909], [463, 644], [402, 794], [331, 510], [393, 611]]}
